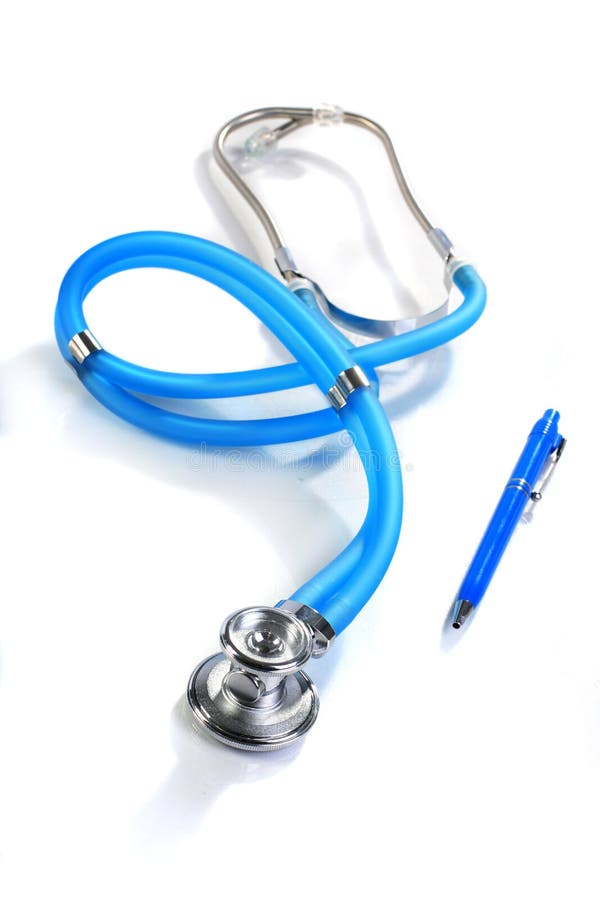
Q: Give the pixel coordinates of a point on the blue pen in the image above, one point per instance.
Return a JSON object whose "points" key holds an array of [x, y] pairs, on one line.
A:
{"points": [[544, 445]]}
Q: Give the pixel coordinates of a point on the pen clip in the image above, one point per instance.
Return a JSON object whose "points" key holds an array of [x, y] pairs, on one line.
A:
{"points": [[542, 482], [553, 458]]}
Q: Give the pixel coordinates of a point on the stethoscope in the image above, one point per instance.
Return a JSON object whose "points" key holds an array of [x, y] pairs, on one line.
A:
{"points": [[254, 694]]}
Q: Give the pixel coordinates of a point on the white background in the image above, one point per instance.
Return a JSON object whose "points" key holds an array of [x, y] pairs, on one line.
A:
{"points": [[466, 770]]}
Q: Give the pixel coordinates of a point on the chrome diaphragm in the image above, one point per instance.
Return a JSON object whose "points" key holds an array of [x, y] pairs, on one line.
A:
{"points": [[254, 695]]}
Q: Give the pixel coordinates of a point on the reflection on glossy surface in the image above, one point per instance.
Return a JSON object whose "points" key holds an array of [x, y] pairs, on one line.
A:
{"points": [[205, 768]]}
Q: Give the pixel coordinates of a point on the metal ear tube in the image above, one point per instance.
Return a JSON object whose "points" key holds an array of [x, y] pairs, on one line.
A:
{"points": [[264, 140]]}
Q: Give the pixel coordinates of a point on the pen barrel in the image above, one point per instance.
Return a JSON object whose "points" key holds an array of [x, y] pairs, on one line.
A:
{"points": [[493, 544], [540, 444]]}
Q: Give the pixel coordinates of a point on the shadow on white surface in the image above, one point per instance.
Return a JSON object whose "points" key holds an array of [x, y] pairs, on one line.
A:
{"points": [[205, 769], [213, 197], [87, 428], [291, 164], [318, 528]]}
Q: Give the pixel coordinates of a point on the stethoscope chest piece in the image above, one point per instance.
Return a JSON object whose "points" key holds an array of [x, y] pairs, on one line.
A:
{"points": [[254, 695]]}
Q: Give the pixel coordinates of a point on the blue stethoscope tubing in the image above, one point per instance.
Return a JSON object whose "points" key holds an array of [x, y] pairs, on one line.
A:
{"points": [[340, 589]]}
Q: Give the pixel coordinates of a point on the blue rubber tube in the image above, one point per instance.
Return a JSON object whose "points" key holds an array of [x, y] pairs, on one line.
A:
{"points": [[342, 588], [107, 377]]}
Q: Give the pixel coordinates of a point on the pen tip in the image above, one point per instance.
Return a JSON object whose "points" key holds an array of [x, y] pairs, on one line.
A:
{"points": [[462, 611]]}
